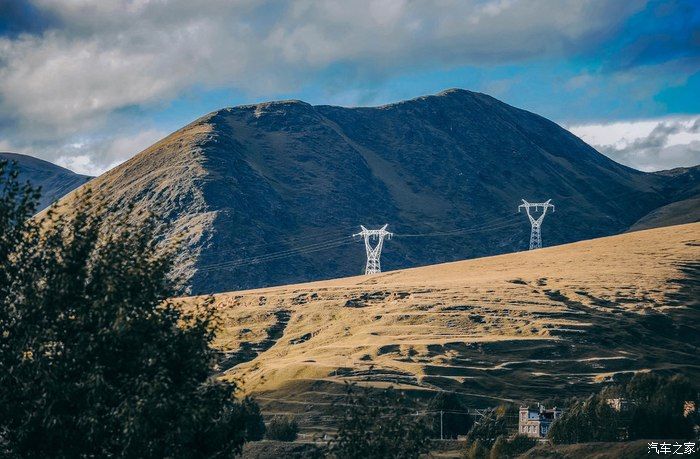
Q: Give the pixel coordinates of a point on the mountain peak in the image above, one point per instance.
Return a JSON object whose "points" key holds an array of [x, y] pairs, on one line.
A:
{"points": [[261, 181], [282, 105], [454, 91], [266, 107]]}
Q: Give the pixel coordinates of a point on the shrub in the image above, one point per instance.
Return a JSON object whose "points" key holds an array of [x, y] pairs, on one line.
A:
{"points": [[282, 429], [475, 450]]}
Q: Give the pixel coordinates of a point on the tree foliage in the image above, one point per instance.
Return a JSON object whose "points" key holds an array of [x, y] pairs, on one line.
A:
{"points": [[654, 410], [96, 360], [17, 205], [282, 428], [505, 448], [455, 416], [379, 425], [254, 425], [657, 410], [495, 423], [586, 420], [475, 450]]}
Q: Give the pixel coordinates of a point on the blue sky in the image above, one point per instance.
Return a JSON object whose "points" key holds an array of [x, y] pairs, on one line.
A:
{"points": [[88, 84]]}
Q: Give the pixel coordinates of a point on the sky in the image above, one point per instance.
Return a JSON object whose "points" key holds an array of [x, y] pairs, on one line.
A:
{"points": [[89, 83]]}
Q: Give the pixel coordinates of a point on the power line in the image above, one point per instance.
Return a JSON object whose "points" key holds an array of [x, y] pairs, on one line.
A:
{"points": [[338, 242], [277, 255]]}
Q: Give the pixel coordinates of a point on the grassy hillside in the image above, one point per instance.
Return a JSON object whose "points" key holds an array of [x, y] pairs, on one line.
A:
{"points": [[268, 194], [517, 327]]}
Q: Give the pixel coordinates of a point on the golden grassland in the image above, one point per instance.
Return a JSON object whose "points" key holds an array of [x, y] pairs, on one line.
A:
{"points": [[518, 327]]}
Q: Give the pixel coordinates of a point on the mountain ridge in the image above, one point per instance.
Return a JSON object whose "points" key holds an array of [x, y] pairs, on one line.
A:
{"points": [[55, 181], [248, 184]]}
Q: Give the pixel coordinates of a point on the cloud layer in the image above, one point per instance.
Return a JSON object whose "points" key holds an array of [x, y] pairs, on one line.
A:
{"points": [[76, 76], [649, 145]]}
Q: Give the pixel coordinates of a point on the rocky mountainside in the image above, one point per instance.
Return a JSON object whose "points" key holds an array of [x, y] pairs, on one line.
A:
{"points": [[55, 181], [269, 194]]}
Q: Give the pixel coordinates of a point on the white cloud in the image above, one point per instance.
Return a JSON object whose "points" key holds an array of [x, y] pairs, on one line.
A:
{"points": [[648, 145], [111, 54], [93, 156], [61, 91]]}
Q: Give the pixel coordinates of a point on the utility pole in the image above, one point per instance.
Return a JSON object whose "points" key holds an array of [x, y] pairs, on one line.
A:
{"points": [[536, 223], [373, 253], [440, 424]]}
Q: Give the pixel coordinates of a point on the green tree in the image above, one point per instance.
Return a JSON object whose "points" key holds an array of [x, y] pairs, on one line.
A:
{"points": [[379, 425], [17, 205], [282, 429], [495, 423], [254, 425], [657, 406], [455, 415], [96, 360], [587, 420], [654, 409]]}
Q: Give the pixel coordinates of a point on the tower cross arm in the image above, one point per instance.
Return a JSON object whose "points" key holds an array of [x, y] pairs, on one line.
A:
{"points": [[535, 236], [373, 265]]}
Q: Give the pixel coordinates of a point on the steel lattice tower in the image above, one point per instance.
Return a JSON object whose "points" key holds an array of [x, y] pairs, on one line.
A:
{"points": [[373, 253], [535, 235]]}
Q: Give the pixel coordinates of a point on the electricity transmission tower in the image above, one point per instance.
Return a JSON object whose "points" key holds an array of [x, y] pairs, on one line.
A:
{"points": [[373, 253], [535, 235]]}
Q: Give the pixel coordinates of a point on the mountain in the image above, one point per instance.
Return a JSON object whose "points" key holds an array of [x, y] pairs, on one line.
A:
{"points": [[269, 194], [521, 327], [55, 181], [684, 185]]}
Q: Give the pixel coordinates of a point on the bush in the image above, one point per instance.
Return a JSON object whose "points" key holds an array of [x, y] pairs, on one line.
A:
{"points": [[282, 429], [379, 425], [504, 448], [96, 360], [476, 450]]}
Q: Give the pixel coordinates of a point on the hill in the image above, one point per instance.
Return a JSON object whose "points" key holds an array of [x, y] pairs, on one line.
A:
{"points": [[520, 327], [268, 194], [684, 185], [55, 181]]}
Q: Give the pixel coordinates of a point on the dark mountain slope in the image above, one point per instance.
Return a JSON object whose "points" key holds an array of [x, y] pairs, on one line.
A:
{"points": [[55, 181], [684, 185], [269, 193]]}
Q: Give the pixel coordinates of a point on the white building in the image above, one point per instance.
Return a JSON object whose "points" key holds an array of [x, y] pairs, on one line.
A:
{"points": [[536, 422]]}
